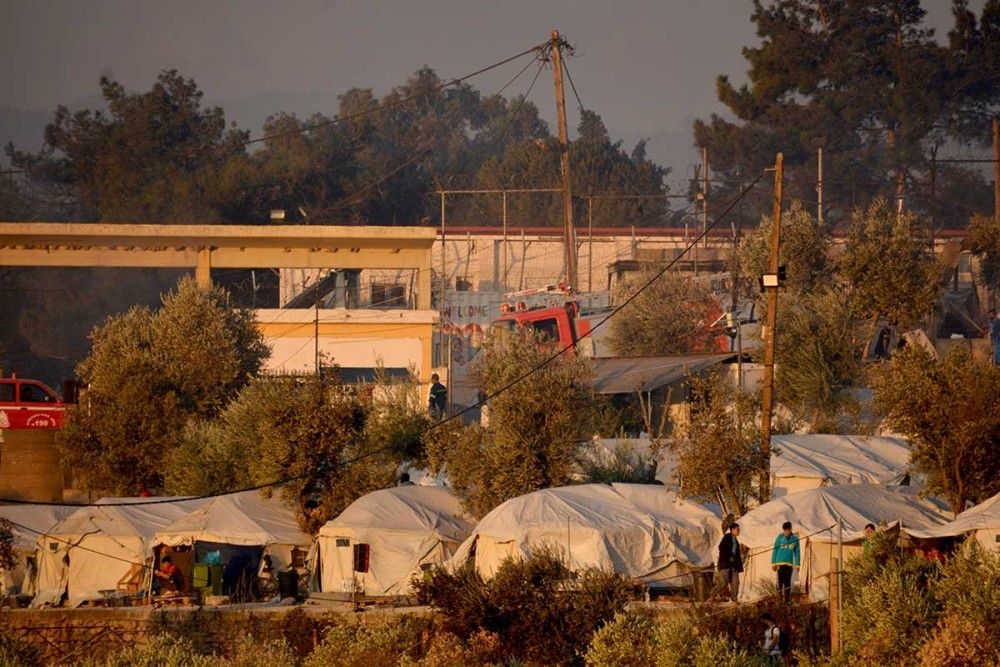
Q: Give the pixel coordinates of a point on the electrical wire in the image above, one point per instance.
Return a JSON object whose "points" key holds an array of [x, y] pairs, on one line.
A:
{"points": [[395, 103]]}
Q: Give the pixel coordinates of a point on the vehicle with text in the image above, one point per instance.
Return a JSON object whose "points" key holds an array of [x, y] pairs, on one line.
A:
{"points": [[30, 404]]}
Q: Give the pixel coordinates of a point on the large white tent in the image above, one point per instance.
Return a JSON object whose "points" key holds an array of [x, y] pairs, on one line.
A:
{"points": [[800, 462], [981, 522], [100, 546], [803, 462], [644, 531], [405, 527], [29, 521], [246, 519], [815, 515]]}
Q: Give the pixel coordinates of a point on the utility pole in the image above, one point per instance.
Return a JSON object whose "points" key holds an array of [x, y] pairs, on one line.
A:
{"points": [[819, 186], [569, 238], [704, 195], [996, 170], [771, 285], [316, 326]]}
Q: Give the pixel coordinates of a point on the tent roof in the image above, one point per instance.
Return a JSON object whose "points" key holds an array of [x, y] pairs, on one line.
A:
{"points": [[245, 518], [115, 516], [626, 375], [857, 504], [595, 505], [420, 509], [843, 459], [984, 515], [37, 519]]}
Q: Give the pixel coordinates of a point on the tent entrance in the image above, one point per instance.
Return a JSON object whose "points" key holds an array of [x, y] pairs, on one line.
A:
{"points": [[240, 565]]}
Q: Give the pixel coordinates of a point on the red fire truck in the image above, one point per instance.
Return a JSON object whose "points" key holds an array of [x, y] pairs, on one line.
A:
{"points": [[29, 404], [567, 323]]}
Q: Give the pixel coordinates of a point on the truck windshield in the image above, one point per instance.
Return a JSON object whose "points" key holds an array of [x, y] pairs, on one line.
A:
{"points": [[34, 394], [547, 330]]}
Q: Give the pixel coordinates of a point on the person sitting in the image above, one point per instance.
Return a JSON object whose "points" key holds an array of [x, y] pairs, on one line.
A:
{"points": [[168, 578]]}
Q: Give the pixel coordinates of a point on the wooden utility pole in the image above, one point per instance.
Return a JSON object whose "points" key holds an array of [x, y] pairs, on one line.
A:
{"points": [[819, 186], [704, 195], [569, 236], [771, 286], [834, 606], [996, 170]]}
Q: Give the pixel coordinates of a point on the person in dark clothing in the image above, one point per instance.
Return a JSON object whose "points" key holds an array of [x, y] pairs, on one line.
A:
{"points": [[437, 401], [785, 559], [730, 563]]}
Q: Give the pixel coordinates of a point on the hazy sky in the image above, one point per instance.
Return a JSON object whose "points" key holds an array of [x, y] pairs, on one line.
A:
{"points": [[647, 66]]}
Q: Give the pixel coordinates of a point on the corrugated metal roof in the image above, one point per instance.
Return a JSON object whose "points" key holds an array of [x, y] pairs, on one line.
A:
{"points": [[627, 375]]}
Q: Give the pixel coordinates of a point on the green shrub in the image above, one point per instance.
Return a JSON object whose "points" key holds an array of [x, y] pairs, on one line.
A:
{"points": [[629, 639], [251, 652], [541, 614], [676, 641], [161, 651], [960, 642], [448, 650], [720, 651], [17, 652], [969, 586], [382, 639]]}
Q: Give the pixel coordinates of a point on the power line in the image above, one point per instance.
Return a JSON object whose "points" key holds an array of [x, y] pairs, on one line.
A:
{"points": [[394, 103]]}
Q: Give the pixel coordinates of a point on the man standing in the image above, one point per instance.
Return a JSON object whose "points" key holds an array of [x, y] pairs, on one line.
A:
{"points": [[785, 558], [730, 562], [437, 400]]}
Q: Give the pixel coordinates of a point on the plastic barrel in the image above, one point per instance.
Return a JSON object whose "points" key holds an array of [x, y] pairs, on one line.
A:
{"points": [[29, 466]]}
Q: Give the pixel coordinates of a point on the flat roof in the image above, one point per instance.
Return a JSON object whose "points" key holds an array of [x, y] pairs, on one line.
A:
{"points": [[156, 236]]}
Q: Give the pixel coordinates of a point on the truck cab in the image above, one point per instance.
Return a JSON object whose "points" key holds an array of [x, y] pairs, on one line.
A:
{"points": [[29, 404]]}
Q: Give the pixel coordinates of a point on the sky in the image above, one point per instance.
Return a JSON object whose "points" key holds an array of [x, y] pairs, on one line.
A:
{"points": [[648, 67]]}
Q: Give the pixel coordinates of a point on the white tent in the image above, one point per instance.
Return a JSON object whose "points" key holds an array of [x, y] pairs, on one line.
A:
{"points": [[803, 462], [644, 531], [405, 527], [814, 515], [245, 519], [981, 522], [30, 521], [99, 547]]}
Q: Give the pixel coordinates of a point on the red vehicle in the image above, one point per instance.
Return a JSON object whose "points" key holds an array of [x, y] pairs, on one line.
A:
{"points": [[29, 404], [566, 325]]}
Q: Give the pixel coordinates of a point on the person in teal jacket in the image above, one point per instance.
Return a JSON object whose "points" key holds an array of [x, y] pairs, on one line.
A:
{"points": [[785, 559]]}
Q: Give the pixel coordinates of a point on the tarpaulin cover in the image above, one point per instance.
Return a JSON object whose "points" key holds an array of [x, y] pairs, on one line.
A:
{"points": [[644, 531], [405, 527], [802, 462]]}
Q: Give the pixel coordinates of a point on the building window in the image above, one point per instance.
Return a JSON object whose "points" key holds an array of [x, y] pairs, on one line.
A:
{"points": [[388, 295]]}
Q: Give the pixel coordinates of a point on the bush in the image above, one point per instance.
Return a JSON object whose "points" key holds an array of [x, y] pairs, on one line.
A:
{"points": [[161, 651], [969, 586], [627, 640], [17, 652], [719, 651], [448, 650], [539, 613], [382, 639], [960, 642], [676, 641], [252, 652]]}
